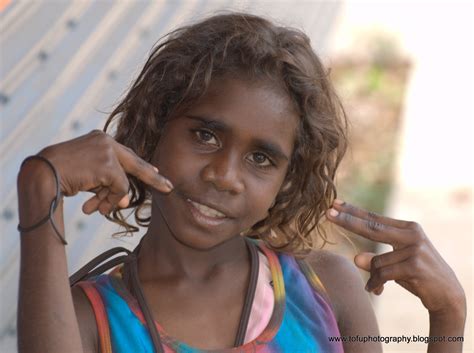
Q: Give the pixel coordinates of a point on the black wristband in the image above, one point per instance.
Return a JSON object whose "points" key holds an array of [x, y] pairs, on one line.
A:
{"points": [[54, 202]]}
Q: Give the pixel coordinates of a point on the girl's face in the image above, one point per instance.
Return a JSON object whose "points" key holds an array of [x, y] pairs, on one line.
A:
{"points": [[227, 158]]}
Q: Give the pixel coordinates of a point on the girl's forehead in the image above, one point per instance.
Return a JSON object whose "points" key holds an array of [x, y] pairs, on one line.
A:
{"points": [[244, 98], [253, 107]]}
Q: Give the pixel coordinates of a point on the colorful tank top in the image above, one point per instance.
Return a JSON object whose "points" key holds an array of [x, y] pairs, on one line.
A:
{"points": [[301, 322]]}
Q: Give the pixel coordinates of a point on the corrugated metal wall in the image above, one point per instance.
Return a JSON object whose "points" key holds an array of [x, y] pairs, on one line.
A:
{"points": [[63, 65]]}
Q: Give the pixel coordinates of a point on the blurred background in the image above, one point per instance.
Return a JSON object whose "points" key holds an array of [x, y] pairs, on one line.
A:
{"points": [[404, 71]]}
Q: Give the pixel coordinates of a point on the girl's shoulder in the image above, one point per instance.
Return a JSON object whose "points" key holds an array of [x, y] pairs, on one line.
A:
{"points": [[85, 319], [345, 289], [341, 280], [87, 300]]}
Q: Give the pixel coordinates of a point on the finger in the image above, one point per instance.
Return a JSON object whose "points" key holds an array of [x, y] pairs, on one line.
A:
{"points": [[95, 190], [388, 273], [343, 206], [141, 169], [374, 285], [102, 194], [105, 207], [363, 260], [378, 290], [385, 260], [391, 258], [108, 205], [91, 205], [124, 202], [117, 183], [375, 231]]}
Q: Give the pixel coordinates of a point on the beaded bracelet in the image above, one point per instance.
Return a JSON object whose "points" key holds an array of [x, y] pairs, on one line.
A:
{"points": [[54, 203]]}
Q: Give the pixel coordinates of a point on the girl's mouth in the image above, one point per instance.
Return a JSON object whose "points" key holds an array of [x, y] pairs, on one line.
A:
{"points": [[206, 210], [206, 215]]}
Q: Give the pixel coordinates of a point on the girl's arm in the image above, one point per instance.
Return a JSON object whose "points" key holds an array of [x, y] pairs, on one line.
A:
{"points": [[351, 303], [415, 265], [50, 319], [46, 318]]}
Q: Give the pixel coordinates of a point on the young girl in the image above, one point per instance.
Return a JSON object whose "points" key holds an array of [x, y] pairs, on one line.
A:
{"points": [[232, 132]]}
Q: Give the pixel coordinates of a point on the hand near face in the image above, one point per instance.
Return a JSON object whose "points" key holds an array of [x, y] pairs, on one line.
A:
{"points": [[414, 263], [96, 163]]}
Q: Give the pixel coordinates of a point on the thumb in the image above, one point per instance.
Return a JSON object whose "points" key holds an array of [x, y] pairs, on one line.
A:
{"points": [[363, 260], [124, 202]]}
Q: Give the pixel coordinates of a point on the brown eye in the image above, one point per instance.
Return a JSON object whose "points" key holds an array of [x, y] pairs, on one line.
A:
{"points": [[261, 160], [206, 136]]}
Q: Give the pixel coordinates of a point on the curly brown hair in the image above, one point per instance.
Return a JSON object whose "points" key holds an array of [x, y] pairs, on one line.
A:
{"points": [[179, 71]]}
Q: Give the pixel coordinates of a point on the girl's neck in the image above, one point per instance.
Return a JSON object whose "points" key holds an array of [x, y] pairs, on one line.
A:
{"points": [[162, 256]]}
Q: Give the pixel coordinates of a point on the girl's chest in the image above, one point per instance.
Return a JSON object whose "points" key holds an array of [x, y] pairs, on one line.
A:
{"points": [[202, 317]]}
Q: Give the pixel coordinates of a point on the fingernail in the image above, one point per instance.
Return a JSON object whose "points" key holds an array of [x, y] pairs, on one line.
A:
{"points": [[378, 291], [333, 212], [156, 169], [339, 202], [169, 185]]}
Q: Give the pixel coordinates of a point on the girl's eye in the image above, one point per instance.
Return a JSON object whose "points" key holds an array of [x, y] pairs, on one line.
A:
{"points": [[261, 160], [206, 137]]}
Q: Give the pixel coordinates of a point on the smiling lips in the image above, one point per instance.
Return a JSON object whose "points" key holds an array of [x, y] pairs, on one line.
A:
{"points": [[207, 211]]}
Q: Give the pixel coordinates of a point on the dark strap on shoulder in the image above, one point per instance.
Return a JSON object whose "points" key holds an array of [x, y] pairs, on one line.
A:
{"points": [[130, 276], [140, 296], [89, 270], [244, 320]]}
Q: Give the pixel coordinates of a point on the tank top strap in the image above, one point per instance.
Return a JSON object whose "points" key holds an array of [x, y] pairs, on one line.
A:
{"points": [[263, 302], [305, 268], [314, 280], [103, 329], [312, 277]]}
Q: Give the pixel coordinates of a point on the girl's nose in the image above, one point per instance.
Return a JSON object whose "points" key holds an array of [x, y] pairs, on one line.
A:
{"points": [[224, 171]]}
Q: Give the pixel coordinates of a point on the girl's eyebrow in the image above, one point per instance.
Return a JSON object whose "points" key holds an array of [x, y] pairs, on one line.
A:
{"points": [[271, 148], [266, 146], [211, 124]]}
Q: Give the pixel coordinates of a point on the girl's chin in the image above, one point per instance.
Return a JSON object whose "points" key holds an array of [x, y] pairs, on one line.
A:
{"points": [[204, 243]]}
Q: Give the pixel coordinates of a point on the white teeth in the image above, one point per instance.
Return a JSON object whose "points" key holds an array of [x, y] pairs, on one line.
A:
{"points": [[207, 211]]}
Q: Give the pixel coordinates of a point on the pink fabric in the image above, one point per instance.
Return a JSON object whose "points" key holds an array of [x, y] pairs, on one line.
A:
{"points": [[262, 306]]}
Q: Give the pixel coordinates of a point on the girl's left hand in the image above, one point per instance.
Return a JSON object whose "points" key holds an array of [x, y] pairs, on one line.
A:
{"points": [[414, 263]]}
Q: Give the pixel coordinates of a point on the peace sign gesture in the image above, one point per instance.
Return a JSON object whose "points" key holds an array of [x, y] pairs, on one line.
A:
{"points": [[414, 263]]}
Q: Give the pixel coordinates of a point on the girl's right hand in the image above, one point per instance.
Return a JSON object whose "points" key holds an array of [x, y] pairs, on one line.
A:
{"points": [[97, 163]]}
